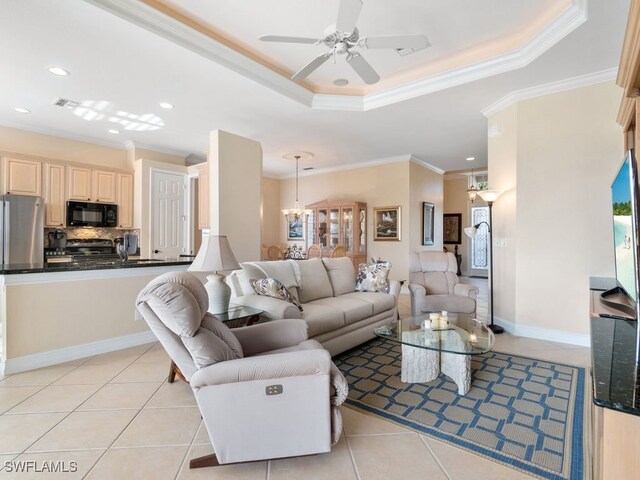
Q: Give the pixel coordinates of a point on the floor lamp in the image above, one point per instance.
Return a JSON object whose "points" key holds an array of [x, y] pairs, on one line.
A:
{"points": [[488, 196]]}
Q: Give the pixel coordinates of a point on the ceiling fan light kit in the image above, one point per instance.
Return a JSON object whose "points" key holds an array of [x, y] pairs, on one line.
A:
{"points": [[344, 36]]}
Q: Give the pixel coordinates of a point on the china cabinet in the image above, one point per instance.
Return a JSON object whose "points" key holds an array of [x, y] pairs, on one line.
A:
{"points": [[334, 223]]}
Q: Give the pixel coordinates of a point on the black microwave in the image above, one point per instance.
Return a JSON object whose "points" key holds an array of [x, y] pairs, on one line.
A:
{"points": [[85, 214]]}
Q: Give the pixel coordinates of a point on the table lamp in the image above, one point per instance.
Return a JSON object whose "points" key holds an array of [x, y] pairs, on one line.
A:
{"points": [[215, 255]]}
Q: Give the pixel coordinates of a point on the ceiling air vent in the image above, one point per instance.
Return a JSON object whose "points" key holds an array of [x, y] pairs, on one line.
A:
{"points": [[307, 168], [65, 102]]}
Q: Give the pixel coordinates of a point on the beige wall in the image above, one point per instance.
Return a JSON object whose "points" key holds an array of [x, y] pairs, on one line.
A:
{"points": [[235, 183], [378, 186], [503, 165], [55, 148], [555, 158], [158, 156], [270, 211], [457, 201]]}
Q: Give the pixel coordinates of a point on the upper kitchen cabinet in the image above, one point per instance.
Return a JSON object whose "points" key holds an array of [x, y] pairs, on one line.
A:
{"points": [[54, 195], [92, 185], [22, 177], [125, 200]]}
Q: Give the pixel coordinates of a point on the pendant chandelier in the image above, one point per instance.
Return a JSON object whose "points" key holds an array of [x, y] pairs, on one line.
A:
{"points": [[472, 191], [296, 213]]}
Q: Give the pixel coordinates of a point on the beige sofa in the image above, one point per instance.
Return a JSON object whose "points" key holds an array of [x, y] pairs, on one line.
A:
{"points": [[338, 317]]}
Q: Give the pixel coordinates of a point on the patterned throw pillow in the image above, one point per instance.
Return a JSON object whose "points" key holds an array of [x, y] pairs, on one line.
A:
{"points": [[270, 287], [373, 277]]}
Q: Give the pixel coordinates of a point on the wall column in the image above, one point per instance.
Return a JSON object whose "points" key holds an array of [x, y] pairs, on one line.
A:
{"points": [[235, 192]]}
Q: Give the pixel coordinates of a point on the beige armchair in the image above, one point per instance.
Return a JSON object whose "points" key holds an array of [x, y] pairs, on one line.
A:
{"points": [[264, 391], [434, 285]]}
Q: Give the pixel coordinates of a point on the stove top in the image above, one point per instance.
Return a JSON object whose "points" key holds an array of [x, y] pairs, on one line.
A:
{"points": [[80, 249]]}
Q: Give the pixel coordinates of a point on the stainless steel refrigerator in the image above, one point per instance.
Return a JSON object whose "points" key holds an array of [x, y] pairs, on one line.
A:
{"points": [[22, 229]]}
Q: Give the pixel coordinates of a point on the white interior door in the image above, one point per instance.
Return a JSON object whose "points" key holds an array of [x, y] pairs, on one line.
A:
{"points": [[168, 216]]}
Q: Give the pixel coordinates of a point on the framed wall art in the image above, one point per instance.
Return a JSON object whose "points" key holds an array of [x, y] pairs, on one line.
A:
{"points": [[387, 223], [452, 228], [295, 229], [428, 210]]}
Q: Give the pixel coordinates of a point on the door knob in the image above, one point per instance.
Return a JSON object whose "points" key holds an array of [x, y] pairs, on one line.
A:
{"points": [[156, 251]]}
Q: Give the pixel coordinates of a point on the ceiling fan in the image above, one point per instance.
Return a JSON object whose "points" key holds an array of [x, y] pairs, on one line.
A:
{"points": [[343, 36]]}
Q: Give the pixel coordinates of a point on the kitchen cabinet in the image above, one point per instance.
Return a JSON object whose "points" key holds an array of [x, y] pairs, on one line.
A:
{"points": [[334, 223], [54, 195], [89, 185], [203, 196], [125, 200], [23, 177]]}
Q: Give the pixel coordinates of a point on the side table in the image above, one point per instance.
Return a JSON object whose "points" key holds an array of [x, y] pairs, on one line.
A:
{"points": [[236, 316]]}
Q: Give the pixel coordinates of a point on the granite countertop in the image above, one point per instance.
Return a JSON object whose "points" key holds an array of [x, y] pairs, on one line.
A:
{"points": [[22, 268]]}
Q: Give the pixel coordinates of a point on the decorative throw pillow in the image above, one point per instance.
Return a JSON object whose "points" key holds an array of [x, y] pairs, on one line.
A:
{"points": [[270, 287], [373, 277]]}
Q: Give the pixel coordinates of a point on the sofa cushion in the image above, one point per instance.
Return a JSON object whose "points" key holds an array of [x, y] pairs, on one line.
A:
{"points": [[432, 261], [270, 287], [353, 309], [249, 272], [373, 277], [322, 318], [450, 303], [341, 275], [315, 281], [381, 302]]}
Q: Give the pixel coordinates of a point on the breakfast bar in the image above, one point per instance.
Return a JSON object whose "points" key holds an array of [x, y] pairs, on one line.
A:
{"points": [[43, 309]]}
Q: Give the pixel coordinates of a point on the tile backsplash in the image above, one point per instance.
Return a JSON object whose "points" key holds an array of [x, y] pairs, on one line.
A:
{"points": [[90, 232]]}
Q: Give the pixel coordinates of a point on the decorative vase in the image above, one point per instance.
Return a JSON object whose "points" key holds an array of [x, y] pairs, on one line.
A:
{"points": [[219, 293]]}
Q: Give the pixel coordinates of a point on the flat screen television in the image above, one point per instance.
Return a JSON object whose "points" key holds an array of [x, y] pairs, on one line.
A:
{"points": [[624, 197]]}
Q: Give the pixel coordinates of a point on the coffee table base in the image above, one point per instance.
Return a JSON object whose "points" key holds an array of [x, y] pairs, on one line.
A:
{"points": [[420, 365]]}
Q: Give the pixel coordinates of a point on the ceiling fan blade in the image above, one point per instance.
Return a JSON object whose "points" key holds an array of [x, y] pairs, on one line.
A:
{"points": [[278, 38], [397, 41], [305, 71], [362, 68], [348, 14]]}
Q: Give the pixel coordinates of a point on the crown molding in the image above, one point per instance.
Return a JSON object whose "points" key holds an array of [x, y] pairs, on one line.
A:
{"points": [[549, 88], [52, 132], [426, 164], [353, 166], [130, 144], [370, 163], [153, 20]]}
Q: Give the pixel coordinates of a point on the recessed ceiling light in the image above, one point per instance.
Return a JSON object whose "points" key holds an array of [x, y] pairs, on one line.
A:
{"points": [[470, 159], [114, 131], [61, 72], [22, 110], [340, 82], [166, 105]]}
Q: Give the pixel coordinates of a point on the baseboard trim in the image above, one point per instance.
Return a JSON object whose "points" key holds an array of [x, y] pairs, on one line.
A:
{"points": [[61, 355], [561, 336]]}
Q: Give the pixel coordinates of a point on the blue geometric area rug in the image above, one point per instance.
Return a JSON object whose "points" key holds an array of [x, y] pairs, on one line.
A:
{"points": [[526, 413]]}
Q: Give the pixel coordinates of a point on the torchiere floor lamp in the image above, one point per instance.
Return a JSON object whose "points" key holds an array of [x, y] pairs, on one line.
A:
{"points": [[488, 196]]}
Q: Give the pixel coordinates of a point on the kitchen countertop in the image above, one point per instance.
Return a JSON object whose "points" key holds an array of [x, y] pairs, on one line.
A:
{"points": [[614, 368], [86, 265]]}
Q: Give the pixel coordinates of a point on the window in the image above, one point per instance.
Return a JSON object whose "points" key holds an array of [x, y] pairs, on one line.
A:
{"points": [[480, 244]]}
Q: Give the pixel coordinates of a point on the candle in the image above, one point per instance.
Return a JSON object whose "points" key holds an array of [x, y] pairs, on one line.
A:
{"points": [[426, 324], [434, 316], [473, 338]]}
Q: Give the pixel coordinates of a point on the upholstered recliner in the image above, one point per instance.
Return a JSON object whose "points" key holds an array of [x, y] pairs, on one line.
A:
{"points": [[264, 391], [434, 285]]}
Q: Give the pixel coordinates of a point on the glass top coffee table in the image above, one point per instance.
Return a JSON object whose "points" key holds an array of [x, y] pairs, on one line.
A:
{"points": [[427, 352]]}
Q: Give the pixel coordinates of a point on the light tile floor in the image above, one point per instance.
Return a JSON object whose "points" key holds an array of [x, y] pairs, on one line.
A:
{"points": [[116, 418]]}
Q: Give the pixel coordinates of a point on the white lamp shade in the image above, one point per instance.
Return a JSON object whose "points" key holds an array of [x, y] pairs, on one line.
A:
{"points": [[215, 255], [471, 232], [489, 195]]}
